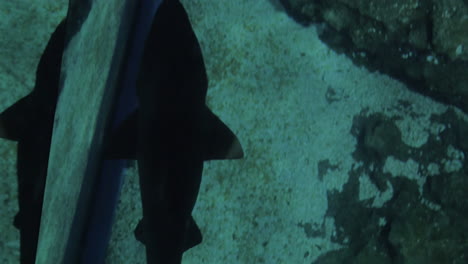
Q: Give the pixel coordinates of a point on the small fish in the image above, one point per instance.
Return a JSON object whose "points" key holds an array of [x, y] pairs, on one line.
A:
{"points": [[29, 122], [171, 134]]}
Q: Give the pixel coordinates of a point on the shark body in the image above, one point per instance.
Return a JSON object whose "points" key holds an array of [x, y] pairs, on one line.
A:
{"points": [[176, 133], [30, 122]]}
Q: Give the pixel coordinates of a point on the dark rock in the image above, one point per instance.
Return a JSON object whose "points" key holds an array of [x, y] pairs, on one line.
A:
{"points": [[421, 42], [421, 222], [427, 236]]}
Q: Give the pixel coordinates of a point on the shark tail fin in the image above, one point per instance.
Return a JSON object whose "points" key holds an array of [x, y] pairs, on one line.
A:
{"points": [[219, 141]]}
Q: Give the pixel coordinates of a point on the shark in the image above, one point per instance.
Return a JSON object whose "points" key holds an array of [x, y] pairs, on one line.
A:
{"points": [[171, 134], [30, 122]]}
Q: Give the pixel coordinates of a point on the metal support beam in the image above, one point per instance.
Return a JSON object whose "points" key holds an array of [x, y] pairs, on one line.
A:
{"points": [[91, 63]]}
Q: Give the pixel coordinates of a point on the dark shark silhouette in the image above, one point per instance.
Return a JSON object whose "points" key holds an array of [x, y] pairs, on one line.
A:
{"points": [[29, 122], [175, 134]]}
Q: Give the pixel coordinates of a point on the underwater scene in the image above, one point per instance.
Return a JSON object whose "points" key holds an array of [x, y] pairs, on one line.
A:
{"points": [[221, 131]]}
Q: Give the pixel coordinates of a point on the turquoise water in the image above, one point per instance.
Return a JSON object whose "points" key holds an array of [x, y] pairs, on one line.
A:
{"points": [[342, 164]]}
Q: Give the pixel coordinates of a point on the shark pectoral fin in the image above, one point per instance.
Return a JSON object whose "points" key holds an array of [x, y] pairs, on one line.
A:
{"points": [[15, 119], [194, 235], [123, 141], [219, 141]]}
